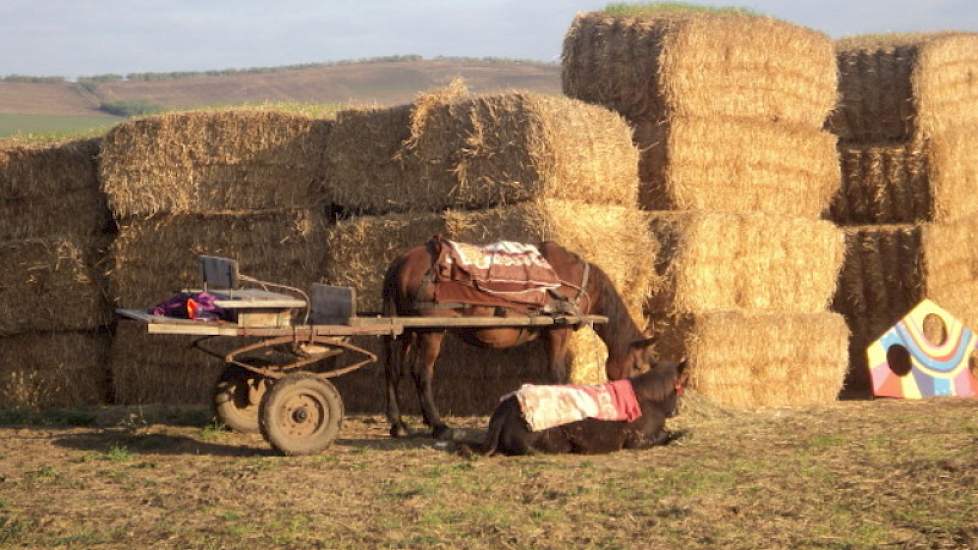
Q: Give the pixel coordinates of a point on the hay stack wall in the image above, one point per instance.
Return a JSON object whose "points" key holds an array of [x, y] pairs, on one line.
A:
{"points": [[54, 227], [735, 166], [728, 108], [243, 184], [908, 135]]}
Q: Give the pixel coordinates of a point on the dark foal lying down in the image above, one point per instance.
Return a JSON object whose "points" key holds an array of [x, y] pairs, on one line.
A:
{"points": [[657, 392]]}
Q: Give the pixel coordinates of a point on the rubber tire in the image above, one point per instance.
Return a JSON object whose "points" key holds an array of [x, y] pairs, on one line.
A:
{"points": [[230, 401], [273, 410]]}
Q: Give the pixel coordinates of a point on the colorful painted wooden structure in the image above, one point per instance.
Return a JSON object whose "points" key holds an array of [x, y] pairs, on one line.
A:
{"points": [[913, 363]]}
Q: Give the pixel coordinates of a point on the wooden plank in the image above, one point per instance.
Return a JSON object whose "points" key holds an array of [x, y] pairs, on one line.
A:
{"points": [[256, 298], [476, 322], [199, 329]]}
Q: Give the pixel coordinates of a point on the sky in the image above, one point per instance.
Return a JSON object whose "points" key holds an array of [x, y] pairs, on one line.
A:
{"points": [[86, 37]]}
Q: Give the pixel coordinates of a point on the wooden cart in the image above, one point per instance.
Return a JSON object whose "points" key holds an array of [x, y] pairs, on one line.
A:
{"points": [[278, 383]]}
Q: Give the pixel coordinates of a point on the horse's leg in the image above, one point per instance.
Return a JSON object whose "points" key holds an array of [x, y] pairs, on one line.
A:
{"points": [[397, 353], [556, 342], [429, 346]]}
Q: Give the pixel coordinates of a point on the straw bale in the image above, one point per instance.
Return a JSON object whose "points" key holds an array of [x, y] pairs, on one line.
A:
{"points": [[359, 251], [51, 191], [953, 173], [894, 88], [736, 165], [48, 170], [53, 369], [711, 261], [916, 181], [950, 266], [656, 67], [752, 360], [154, 257], [211, 162], [883, 184], [158, 368], [50, 285], [477, 152]]}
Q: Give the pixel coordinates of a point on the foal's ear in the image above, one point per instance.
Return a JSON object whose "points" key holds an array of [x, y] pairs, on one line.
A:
{"points": [[682, 375]]}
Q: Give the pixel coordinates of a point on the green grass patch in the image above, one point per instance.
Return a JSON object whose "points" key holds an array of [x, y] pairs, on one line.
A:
{"points": [[117, 453], [213, 431], [639, 9], [46, 128]]}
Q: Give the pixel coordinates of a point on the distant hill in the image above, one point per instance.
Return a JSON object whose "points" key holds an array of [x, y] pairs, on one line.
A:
{"points": [[374, 82]]}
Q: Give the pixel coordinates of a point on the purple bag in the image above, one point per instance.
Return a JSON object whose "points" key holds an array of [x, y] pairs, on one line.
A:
{"points": [[198, 306]]}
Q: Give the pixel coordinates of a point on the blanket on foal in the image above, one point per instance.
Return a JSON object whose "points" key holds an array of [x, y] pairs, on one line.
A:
{"points": [[548, 406], [498, 274]]}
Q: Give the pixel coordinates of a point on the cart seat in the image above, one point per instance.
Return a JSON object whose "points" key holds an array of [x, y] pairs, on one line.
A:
{"points": [[332, 305]]}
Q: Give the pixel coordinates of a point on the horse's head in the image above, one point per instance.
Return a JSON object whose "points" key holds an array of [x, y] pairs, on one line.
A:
{"points": [[640, 358], [663, 385]]}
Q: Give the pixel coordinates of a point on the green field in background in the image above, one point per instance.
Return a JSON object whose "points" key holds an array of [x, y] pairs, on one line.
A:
{"points": [[54, 125]]}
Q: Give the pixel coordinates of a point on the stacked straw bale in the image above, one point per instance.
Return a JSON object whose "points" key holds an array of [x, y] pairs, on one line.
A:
{"points": [[728, 108], [53, 369], [51, 191], [208, 162], [736, 168], [749, 359], [54, 227], [478, 152], [908, 133], [242, 184], [514, 166]]}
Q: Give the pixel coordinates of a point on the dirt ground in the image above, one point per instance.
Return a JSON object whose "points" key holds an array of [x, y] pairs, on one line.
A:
{"points": [[851, 475]]}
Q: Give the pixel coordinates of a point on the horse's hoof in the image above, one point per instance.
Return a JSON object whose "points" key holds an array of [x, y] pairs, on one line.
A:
{"points": [[400, 430], [443, 433]]}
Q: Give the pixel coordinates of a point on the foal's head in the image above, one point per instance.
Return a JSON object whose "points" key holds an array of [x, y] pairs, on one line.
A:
{"points": [[662, 386]]}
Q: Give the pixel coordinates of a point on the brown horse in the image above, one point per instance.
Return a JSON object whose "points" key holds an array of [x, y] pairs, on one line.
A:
{"points": [[404, 289]]}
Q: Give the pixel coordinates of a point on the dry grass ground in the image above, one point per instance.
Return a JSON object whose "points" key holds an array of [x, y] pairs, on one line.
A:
{"points": [[848, 475]]}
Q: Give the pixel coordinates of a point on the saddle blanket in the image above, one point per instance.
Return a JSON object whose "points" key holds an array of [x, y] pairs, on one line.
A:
{"points": [[546, 406], [507, 270]]}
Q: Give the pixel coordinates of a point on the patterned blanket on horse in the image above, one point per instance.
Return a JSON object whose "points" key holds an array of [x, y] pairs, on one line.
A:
{"points": [[498, 274], [546, 406]]}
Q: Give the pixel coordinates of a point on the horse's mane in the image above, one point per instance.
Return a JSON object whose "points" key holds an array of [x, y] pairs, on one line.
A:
{"points": [[620, 331], [656, 384]]}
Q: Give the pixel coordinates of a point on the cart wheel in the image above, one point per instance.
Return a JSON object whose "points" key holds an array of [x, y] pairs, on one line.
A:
{"points": [[237, 397], [301, 414]]}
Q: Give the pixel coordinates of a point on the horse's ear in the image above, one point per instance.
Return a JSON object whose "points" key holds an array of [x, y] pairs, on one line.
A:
{"points": [[643, 343]]}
